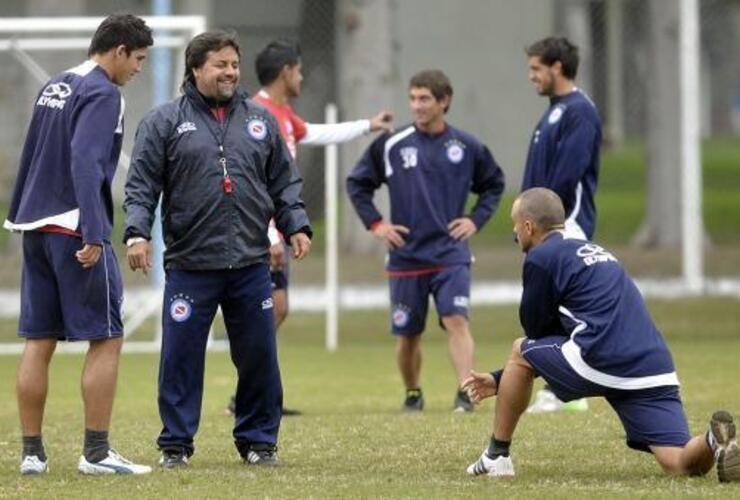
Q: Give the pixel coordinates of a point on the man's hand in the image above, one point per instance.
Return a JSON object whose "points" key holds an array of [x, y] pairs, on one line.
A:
{"points": [[139, 256], [390, 234], [462, 228], [277, 256], [89, 255], [480, 386], [382, 121], [301, 244]]}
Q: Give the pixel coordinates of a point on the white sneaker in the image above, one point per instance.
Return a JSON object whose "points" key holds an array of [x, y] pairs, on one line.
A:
{"points": [[495, 467], [545, 402], [33, 465], [112, 464]]}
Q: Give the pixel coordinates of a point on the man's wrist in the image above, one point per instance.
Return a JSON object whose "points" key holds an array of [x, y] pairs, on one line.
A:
{"points": [[134, 240]]}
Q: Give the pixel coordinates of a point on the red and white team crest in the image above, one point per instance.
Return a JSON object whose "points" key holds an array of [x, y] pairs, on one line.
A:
{"points": [[257, 128], [180, 310], [401, 316]]}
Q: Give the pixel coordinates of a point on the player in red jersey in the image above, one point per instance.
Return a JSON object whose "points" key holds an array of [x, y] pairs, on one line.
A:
{"points": [[278, 68]]}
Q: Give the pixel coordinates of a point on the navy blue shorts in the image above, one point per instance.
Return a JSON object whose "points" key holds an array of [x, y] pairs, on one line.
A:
{"points": [[280, 278], [450, 288], [653, 416], [60, 299]]}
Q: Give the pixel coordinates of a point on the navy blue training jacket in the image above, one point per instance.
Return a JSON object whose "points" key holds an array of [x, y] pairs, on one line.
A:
{"points": [[177, 153], [580, 290], [429, 178], [564, 156], [70, 156]]}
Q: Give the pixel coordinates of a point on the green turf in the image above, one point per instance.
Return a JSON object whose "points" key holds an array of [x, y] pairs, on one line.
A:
{"points": [[353, 442]]}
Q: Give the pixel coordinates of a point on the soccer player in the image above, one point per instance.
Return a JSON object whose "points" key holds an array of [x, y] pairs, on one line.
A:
{"points": [[278, 68], [71, 287], [223, 171], [563, 155], [430, 167], [588, 334]]}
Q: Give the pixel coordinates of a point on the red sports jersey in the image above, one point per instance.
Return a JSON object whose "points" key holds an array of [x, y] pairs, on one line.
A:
{"points": [[292, 126]]}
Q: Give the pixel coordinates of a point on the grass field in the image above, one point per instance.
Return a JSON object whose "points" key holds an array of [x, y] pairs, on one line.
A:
{"points": [[353, 442]]}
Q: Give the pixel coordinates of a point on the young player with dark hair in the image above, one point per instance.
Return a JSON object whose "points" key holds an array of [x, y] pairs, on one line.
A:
{"points": [[279, 71], [430, 167], [563, 154], [71, 287]]}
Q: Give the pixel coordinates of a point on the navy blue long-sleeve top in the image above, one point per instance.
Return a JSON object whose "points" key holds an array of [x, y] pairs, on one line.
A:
{"points": [[579, 290], [429, 178], [70, 156], [564, 156]]}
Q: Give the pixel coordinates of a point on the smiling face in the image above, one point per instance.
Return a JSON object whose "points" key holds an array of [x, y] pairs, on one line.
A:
{"points": [[542, 76], [218, 77], [125, 66], [426, 109]]}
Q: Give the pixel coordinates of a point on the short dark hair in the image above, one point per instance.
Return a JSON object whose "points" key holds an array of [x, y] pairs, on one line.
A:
{"points": [[436, 81], [543, 207], [120, 29], [196, 53], [553, 49], [274, 57]]}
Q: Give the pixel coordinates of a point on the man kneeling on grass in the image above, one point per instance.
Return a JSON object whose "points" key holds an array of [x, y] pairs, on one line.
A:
{"points": [[588, 333]]}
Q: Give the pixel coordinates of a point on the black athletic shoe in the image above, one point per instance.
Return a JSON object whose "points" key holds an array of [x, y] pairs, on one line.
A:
{"points": [[414, 400], [173, 459], [264, 455], [462, 403], [728, 456]]}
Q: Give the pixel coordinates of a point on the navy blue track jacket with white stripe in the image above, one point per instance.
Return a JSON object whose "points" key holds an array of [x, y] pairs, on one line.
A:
{"points": [[578, 289], [429, 178], [70, 156], [564, 156]]}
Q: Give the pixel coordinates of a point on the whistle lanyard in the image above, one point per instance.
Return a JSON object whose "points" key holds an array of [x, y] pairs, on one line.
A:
{"points": [[226, 182]]}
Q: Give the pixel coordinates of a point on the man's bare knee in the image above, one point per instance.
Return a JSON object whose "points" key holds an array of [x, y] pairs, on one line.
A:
{"points": [[455, 323]]}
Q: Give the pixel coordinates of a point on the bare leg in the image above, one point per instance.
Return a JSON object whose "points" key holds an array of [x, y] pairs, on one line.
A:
{"points": [[408, 357], [280, 306], [694, 459], [513, 394], [460, 345], [99, 377], [33, 383]]}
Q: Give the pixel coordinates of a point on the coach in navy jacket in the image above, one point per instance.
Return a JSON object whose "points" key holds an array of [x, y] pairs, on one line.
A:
{"points": [[224, 172], [178, 153]]}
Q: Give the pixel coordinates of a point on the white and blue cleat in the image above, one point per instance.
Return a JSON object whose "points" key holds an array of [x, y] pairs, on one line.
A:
{"points": [[112, 464]]}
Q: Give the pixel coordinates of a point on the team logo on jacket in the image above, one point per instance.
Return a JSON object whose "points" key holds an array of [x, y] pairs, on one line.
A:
{"points": [[186, 127], [54, 95], [455, 151], [593, 254], [556, 114], [257, 128], [410, 156], [401, 316], [181, 307], [267, 303]]}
